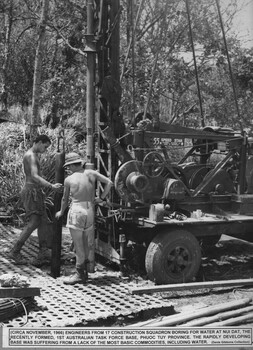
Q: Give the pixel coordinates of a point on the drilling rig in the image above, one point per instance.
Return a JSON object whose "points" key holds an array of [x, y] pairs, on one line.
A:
{"points": [[171, 203]]}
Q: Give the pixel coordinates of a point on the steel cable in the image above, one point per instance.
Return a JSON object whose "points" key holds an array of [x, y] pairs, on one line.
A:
{"points": [[11, 307]]}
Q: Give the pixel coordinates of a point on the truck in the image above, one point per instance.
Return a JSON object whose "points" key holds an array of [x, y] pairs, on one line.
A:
{"points": [[176, 189], [177, 207]]}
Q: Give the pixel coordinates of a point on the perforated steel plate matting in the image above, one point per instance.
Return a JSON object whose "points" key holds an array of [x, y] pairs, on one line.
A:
{"points": [[105, 295]]}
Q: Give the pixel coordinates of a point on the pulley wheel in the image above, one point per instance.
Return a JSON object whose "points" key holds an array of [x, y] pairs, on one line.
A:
{"points": [[153, 164], [130, 181]]}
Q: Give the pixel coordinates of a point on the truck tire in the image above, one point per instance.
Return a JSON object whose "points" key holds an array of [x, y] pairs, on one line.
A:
{"points": [[173, 257]]}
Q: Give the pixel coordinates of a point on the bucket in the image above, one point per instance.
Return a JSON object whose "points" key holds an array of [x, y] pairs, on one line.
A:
{"points": [[156, 212]]}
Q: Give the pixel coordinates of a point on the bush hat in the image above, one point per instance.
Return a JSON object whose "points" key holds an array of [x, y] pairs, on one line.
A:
{"points": [[72, 158]]}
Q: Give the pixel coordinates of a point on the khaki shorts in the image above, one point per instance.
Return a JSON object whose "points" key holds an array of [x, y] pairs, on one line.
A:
{"points": [[80, 215]]}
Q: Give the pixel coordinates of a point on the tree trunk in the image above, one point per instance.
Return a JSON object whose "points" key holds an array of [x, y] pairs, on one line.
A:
{"points": [[37, 70], [6, 53]]}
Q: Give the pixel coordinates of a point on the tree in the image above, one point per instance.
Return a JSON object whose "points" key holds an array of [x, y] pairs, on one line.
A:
{"points": [[161, 41], [7, 9], [166, 34], [37, 68]]}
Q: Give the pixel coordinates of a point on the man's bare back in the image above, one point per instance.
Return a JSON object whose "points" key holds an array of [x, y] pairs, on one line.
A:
{"points": [[81, 185]]}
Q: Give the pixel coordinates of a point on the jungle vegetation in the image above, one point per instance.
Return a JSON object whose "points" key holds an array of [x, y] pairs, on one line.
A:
{"points": [[43, 72]]}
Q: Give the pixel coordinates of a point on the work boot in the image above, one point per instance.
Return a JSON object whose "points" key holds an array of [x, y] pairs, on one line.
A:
{"points": [[77, 277], [17, 257], [43, 258], [86, 262]]}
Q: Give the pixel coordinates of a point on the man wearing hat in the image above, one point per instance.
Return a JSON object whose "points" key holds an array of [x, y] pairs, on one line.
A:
{"points": [[80, 186]]}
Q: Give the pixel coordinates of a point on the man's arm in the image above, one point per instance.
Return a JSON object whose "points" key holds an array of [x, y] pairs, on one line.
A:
{"points": [[65, 199], [108, 184]]}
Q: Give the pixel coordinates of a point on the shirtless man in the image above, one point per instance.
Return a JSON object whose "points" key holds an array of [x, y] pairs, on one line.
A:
{"points": [[80, 186], [33, 198]]}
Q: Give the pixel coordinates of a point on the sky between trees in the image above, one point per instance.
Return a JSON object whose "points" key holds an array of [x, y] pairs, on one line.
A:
{"points": [[243, 22]]}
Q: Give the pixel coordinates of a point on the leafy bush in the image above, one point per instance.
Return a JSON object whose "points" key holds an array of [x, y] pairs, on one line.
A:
{"points": [[14, 143], [12, 149]]}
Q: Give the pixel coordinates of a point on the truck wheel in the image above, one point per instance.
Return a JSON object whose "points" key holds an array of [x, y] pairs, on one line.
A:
{"points": [[173, 257]]}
